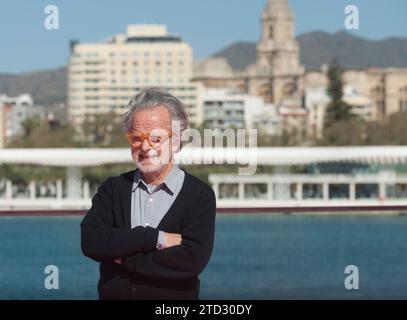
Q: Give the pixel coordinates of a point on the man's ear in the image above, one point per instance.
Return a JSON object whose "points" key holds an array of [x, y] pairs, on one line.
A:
{"points": [[176, 135], [176, 143]]}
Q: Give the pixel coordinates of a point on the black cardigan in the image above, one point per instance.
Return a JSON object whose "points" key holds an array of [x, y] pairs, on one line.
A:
{"points": [[145, 272]]}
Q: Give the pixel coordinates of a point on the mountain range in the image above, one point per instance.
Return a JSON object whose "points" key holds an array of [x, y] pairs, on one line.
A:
{"points": [[318, 48], [46, 86]]}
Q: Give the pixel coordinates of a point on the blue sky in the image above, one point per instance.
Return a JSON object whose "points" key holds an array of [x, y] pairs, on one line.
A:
{"points": [[208, 25]]}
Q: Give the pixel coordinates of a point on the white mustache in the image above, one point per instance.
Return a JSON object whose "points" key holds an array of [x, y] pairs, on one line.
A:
{"points": [[149, 155]]}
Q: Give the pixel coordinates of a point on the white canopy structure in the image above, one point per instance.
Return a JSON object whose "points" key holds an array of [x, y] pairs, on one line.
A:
{"points": [[75, 193], [66, 157]]}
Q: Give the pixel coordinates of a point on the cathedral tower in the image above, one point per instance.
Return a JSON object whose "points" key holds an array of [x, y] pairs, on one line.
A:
{"points": [[278, 55]]}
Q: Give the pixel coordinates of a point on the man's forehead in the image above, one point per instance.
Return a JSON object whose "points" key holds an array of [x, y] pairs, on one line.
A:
{"points": [[148, 119], [152, 117]]}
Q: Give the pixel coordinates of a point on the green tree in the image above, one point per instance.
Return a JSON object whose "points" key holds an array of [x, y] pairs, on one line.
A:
{"points": [[390, 131], [352, 132], [38, 133], [117, 137], [103, 131], [29, 125], [337, 109]]}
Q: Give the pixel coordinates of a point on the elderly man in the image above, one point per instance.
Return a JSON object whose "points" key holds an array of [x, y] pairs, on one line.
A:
{"points": [[151, 229]]}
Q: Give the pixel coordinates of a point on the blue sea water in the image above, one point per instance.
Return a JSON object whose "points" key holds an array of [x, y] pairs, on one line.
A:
{"points": [[255, 257]]}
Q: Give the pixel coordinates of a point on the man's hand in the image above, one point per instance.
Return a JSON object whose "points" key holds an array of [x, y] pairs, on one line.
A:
{"points": [[170, 239], [167, 240]]}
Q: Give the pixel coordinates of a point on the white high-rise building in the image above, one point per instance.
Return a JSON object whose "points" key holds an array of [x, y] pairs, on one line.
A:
{"points": [[104, 76], [224, 109]]}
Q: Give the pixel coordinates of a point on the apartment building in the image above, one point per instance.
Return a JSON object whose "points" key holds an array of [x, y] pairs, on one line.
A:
{"points": [[104, 76]]}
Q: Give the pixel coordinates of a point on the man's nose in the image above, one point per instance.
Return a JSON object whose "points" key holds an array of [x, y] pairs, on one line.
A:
{"points": [[145, 145]]}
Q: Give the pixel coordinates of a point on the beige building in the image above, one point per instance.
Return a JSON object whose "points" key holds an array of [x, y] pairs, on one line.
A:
{"points": [[277, 76], [317, 100], [104, 76], [386, 87], [299, 95], [372, 94]]}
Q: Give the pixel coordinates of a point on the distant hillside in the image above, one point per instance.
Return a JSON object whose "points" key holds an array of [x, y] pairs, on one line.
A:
{"points": [[46, 87], [238, 54], [351, 52], [318, 48]]}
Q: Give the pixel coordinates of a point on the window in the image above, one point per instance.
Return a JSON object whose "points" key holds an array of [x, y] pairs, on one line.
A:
{"points": [[312, 191], [396, 191], [403, 105], [367, 191], [255, 191], [338, 191], [228, 191], [284, 191]]}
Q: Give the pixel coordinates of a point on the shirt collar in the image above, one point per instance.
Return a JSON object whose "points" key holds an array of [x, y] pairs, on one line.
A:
{"points": [[171, 181]]}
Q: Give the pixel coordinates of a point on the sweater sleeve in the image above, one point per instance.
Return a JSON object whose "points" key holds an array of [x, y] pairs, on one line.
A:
{"points": [[101, 241], [191, 257]]}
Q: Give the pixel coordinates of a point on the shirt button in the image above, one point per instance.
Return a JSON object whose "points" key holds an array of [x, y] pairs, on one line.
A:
{"points": [[147, 224], [151, 199]]}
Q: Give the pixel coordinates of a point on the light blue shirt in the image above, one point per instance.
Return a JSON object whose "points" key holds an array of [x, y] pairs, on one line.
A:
{"points": [[149, 203]]}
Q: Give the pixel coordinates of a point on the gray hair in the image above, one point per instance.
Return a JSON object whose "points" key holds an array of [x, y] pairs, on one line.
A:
{"points": [[154, 97]]}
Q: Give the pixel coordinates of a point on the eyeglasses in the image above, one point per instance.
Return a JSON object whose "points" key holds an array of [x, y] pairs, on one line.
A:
{"points": [[155, 138]]}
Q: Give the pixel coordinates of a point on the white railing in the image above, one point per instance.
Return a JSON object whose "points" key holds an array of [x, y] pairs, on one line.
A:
{"points": [[309, 190], [43, 195]]}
